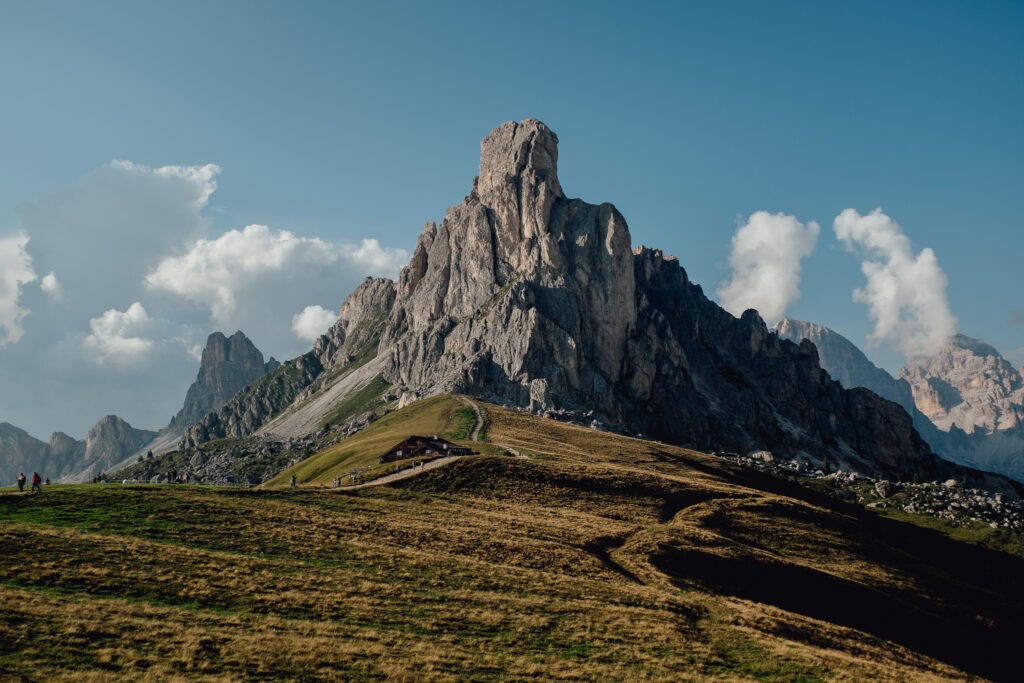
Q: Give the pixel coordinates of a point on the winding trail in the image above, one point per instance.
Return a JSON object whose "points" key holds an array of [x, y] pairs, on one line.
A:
{"points": [[404, 474]]}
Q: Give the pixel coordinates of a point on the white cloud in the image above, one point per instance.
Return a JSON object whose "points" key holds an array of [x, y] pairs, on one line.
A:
{"points": [[15, 270], [120, 338], [905, 294], [312, 322], [219, 273], [51, 286], [765, 264]]}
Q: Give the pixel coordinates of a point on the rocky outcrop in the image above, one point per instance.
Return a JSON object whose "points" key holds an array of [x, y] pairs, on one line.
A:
{"points": [[351, 341], [250, 408], [967, 384], [109, 442], [19, 451], [229, 364], [361, 320]]}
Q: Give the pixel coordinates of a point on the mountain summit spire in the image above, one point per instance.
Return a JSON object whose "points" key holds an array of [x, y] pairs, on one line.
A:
{"points": [[519, 175]]}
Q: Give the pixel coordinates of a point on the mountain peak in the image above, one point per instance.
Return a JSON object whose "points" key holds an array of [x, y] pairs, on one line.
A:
{"points": [[975, 346], [527, 149], [228, 365]]}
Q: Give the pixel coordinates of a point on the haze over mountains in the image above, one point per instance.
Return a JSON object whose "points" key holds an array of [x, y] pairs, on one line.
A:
{"points": [[228, 365], [966, 401]]}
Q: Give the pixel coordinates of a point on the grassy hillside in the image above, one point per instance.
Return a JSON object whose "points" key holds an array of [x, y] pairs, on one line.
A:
{"points": [[441, 415], [599, 557]]}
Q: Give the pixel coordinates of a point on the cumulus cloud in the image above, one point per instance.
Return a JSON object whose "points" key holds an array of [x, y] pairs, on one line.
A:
{"points": [[15, 270], [312, 322], [238, 264], [120, 338], [905, 293], [765, 264], [51, 286]]}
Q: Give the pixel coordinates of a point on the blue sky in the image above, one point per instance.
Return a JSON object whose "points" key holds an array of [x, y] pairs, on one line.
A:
{"points": [[343, 121]]}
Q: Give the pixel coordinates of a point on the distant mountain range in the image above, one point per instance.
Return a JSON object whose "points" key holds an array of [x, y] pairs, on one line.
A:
{"points": [[966, 401], [228, 365]]}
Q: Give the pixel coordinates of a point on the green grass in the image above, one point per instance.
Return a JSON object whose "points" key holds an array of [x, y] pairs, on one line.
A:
{"points": [[425, 418], [608, 559], [462, 421]]}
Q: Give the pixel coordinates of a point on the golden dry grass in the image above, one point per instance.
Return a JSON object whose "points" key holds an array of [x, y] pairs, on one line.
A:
{"points": [[602, 558]]}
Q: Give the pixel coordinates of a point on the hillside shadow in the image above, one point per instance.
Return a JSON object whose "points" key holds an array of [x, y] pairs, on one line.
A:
{"points": [[965, 609]]}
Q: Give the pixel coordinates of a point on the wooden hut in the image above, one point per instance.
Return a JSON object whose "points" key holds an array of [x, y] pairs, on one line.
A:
{"points": [[421, 447]]}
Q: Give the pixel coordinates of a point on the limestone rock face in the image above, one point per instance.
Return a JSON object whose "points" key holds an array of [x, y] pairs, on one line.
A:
{"points": [[1000, 451], [845, 363], [353, 338], [110, 441], [519, 288], [526, 297], [228, 365], [361, 320], [969, 384], [19, 451]]}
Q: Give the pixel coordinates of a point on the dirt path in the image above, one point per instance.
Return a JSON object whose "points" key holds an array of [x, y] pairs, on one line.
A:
{"points": [[475, 436], [404, 474], [480, 425]]}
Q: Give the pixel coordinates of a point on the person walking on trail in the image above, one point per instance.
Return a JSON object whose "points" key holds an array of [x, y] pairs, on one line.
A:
{"points": [[293, 482], [21, 482], [36, 482]]}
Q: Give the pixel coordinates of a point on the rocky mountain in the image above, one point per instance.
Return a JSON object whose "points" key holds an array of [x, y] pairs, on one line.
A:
{"points": [[528, 298], [229, 364], [846, 363], [350, 343], [1000, 451], [107, 443], [967, 384]]}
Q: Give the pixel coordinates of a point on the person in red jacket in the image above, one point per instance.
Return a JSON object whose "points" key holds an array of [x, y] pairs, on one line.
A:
{"points": [[36, 482]]}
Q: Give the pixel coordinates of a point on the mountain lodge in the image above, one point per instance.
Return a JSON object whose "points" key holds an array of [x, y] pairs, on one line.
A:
{"points": [[419, 446]]}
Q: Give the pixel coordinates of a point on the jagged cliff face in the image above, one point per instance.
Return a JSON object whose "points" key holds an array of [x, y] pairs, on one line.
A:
{"points": [[110, 441], [845, 363], [969, 384], [517, 286], [228, 365], [526, 297], [1001, 451], [351, 340]]}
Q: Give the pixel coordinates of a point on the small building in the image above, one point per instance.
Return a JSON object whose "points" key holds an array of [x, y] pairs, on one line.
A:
{"points": [[423, 446]]}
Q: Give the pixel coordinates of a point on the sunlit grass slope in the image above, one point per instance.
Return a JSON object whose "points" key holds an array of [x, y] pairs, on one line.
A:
{"points": [[441, 415], [597, 558]]}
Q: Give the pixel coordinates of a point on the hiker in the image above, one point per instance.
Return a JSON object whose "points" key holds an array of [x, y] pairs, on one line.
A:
{"points": [[293, 482], [36, 480], [21, 482], [47, 481]]}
